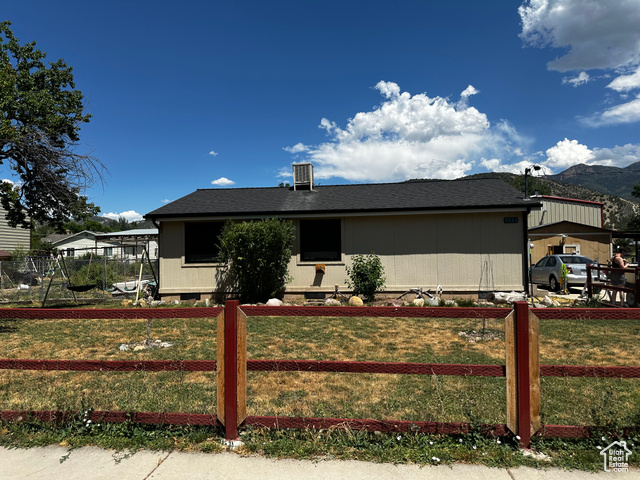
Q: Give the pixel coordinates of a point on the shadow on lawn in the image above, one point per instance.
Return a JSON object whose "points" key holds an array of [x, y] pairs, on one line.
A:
{"points": [[8, 325]]}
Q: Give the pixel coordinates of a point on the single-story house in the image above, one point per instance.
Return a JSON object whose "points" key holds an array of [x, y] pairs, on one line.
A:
{"points": [[466, 235], [569, 225], [77, 244], [131, 243], [570, 237], [128, 244], [12, 238]]}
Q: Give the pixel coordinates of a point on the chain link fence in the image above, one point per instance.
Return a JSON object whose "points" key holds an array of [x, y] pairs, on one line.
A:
{"points": [[70, 278]]}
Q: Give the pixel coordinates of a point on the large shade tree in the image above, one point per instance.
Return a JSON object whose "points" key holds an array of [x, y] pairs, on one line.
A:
{"points": [[41, 113]]}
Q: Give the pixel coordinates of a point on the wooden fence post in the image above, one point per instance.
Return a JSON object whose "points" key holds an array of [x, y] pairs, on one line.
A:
{"points": [[522, 329], [231, 369]]}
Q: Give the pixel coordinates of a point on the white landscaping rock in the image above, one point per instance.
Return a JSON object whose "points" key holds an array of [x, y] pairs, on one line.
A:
{"points": [[274, 302], [502, 297], [332, 302], [418, 302]]}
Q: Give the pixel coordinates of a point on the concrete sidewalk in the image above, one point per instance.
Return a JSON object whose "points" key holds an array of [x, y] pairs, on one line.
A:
{"points": [[96, 464]]}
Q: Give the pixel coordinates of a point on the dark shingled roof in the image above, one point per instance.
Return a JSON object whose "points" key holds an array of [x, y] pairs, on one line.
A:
{"points": [[381, 197]]}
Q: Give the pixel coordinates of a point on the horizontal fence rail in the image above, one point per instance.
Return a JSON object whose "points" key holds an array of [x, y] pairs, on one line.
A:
{"points": [[108, 313], [154, 418], [391, 312], [331, 366], [232, 360], [111, 365], [587, 313], [445, 428], [463, 370]]}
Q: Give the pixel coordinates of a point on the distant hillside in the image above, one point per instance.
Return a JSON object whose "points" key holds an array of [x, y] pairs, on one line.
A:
{"points": [[610, 180], [616, 210], [116, 225]]}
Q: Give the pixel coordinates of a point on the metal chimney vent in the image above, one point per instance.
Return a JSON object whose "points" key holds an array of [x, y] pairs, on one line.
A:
{"points": [[303, 176]]}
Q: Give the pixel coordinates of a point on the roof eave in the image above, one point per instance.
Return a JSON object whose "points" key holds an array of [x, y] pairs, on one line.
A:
{"points": [[274, 213]]}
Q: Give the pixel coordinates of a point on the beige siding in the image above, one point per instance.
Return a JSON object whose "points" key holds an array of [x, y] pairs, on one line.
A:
{"points": [[590, 242], [11, 238], [558, 210], [452, 250]]}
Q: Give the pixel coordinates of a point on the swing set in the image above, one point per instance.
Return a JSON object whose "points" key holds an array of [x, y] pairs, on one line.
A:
{"points": [[135, 285], [61, 266], [124, 287]]}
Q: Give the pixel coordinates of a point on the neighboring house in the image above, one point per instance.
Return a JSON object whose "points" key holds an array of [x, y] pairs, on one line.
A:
{"points": [[77, 244], [570, 237], [131, 243], [12, 237], [568, 225], [558, 209], [128, 244], [457, 234]]}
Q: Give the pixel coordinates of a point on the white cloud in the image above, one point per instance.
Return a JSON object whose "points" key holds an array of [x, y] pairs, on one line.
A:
{"points": [[496, 165], [625, 83], [223, 182], [213, 153], [624, 113], [166, 200], [581, 79], [388, 89], [595, 34], [470, 90], [627, 112], [6, 180], [567, 153], [618, 156], [297, 148], [407, 136], [129, 215]]}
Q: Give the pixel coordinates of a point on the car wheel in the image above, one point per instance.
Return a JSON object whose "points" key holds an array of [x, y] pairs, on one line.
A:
{"points": [[554, 286], [631, 299]]}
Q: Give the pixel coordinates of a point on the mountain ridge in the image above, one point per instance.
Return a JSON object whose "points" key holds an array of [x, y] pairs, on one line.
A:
{"points": [[609, 180]]}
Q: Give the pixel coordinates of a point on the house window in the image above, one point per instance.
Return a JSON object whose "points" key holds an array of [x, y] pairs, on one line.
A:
{"points": [[107, 251], [320, 240], [201, 241], [71, 252]]}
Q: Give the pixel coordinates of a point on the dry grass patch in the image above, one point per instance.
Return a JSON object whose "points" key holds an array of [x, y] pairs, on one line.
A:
{"points": [[101, 339], [315, 394], [590, 342], [123, 391], [380, 396], [78, 339], [367, 339]]}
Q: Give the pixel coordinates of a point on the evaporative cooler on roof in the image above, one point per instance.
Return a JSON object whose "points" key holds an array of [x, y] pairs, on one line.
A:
{"points": [[303, 176]]}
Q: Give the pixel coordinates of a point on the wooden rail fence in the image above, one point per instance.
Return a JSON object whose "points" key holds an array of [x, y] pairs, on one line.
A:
{"points": [[522, 368]]}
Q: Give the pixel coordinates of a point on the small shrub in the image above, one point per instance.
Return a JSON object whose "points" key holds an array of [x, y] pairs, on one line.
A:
{"points": [[366, 275], [257, 255]]}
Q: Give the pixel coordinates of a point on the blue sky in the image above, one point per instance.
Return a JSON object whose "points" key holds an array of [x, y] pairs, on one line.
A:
{"points": [[188, 95]]}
